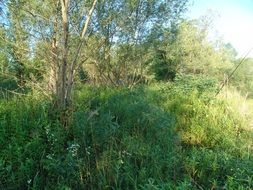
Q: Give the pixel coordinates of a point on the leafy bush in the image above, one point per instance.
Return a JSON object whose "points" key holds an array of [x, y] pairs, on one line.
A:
{"points": [[6, 84], [200, 83]]}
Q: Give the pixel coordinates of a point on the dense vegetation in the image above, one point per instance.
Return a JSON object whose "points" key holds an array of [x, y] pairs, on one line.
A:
{"points": [[165, 136], [145, 111]]}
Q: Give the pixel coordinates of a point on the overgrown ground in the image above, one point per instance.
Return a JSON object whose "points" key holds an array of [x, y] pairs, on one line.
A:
{"points": [[162, 136]]}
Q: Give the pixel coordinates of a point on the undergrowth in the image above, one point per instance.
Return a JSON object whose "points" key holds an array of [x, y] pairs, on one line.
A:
{"points": [[165, 136]]}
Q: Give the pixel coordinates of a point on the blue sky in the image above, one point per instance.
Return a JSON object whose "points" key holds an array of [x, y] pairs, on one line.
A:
{"points": [[234, 21]]}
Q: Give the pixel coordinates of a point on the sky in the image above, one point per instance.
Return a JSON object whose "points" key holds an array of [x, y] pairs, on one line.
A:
{"points": [[233, 21]]}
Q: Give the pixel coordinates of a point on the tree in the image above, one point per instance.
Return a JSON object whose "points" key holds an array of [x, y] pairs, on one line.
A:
{"points": [[66, 75], [121, 38], [60, 36], [50, 28], [162, 67], [193, 53]]}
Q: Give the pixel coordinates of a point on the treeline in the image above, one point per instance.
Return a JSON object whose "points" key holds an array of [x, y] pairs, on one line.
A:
{"points": [[126, 43]]}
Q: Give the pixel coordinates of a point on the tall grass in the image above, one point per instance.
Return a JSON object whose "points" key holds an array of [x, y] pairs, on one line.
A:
{"points": [[156, 137]]}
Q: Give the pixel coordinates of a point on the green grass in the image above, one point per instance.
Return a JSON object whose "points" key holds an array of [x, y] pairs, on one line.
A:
{"points": [[152, 137]]}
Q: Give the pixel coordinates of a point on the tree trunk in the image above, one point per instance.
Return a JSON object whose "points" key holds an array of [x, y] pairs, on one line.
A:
{"points": [[65, 71], [62, 76]]}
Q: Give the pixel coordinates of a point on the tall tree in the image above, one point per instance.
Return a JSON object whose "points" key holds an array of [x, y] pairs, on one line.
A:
{"points": [[49, 24]]}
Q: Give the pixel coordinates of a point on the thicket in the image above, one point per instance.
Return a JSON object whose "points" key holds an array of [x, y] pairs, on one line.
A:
{"points": [[132, 104], [162, 136]]}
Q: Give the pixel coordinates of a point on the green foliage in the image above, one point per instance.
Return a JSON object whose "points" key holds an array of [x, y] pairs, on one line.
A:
{"points": [[242, 79], [174, 135], [199, 83], [195, 54], [22, 146], [186, 49], [8, 83], [152, 137], [162, 67]]}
